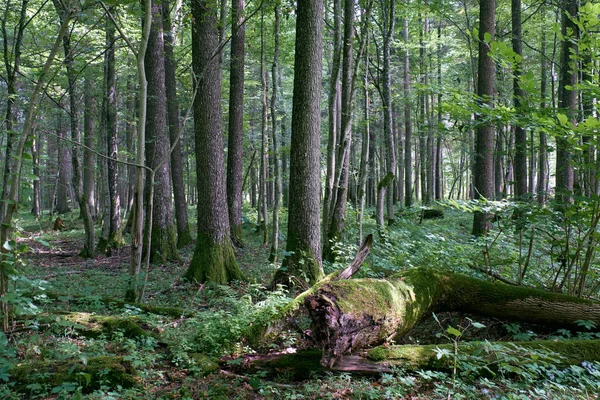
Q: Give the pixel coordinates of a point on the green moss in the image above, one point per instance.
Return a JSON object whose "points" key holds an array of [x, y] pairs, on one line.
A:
{"points": [[214, 262], [572, 352], [164, 244], [103, 371], [204, 364], [184, 238], [90, 325], [386, 181]]}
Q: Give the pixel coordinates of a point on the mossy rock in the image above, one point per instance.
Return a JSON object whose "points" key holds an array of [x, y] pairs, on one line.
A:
{"points": [[98, 371]]}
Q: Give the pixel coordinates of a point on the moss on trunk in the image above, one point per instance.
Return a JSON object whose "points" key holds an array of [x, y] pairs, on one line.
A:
{"points": [[349, 315], [164, 244], [213, 262], [414, 357], [90, 325]]}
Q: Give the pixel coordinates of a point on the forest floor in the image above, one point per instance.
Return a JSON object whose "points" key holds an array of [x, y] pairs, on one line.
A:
{"points": [[200, 352]]}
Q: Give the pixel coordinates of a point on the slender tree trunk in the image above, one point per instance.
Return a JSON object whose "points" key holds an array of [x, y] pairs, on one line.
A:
{"points": [[176, 158], [389, 20], [333, 119], [304, 240], [77, 173], [274, 114], [264, 147], [35, 155], [484, 142], [89, 170], [64, 171], [364, 154], [408, 168], [236, 122], [543, 150]]}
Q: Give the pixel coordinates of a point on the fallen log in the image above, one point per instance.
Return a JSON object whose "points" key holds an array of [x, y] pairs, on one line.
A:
{"points": [[491, 356], [107, 371], [349, 315]]}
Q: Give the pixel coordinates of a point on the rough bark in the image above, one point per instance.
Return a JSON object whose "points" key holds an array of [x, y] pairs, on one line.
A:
{"points": [[214, 259], [542, 183], [304, 240], [264, 142], [89, 172], [164, 243], [483, 169], [389, 20], [176, 159], [351, 314]]}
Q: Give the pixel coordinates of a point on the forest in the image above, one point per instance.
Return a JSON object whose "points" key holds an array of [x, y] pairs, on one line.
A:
{"points": [[276, 199]]}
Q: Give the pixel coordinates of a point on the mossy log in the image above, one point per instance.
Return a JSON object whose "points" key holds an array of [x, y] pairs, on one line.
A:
{"points": [[92, 326], [561, 353], [348, 315], [97, 371], [148, 308], [382, 359]]}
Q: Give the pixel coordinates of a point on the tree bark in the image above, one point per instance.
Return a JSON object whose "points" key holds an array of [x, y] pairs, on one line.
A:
{"points": [[567, 98], [236, 122], [483, 169], [89, 140], [520, 164], [408, 171], [164, 243], [304, 239], [214, 259], [352, 314], [176, 159]]}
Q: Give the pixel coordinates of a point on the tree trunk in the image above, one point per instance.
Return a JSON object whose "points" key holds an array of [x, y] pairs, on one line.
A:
{"points": [[264, 142], [163, 243], [236, 122], [77, 173], [542, 184], [176, 158], [64, 171], [304, 239], [520, 164], [214, 259], [483, 169], [89, 170], [352, 314], [274, 111], [389, 20], [339, 196], [408, 168], [567, 98]]}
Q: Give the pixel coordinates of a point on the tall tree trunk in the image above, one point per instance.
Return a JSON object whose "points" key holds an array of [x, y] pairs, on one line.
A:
{"points": [[64, 171], [389, 20], [112, 219], [176, 158], [340, 194], [484, 141], [276, 153], [89, 170], [163, 237], [236, 122], [333, 119], [35, 155], [214, 259], [77, 174], [408, 168], [264, 143], [542, 186], [304, 241], [520, 164], [567, 98], [364, 153]]}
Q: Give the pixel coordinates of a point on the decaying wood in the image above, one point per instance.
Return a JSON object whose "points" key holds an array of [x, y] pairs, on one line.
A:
{"points": [[354, 314], [360, 256]]}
